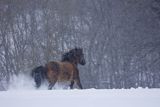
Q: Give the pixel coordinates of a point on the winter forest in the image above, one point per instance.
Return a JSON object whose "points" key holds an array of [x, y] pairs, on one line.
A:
{"points": [[120, 39]]}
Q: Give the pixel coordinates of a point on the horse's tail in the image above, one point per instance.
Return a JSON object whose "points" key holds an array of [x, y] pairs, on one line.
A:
{"points": [[39, 75]]}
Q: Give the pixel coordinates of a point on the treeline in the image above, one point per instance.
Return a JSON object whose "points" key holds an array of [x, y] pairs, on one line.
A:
{"points": [[121, 39]]}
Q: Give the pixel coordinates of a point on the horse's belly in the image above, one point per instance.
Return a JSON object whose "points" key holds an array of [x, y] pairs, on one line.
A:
{"points": [[64, 76]]}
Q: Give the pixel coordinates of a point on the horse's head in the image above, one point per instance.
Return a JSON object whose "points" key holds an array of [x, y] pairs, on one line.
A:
{"points": [[75, 56], [78, 56]]}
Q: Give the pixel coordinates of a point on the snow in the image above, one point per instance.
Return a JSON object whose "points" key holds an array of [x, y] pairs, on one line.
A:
{"points": [[81, 98], [22, 93]]}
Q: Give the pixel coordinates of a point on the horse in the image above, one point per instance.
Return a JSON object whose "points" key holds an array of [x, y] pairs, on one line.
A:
{"points": [[61, 71]]}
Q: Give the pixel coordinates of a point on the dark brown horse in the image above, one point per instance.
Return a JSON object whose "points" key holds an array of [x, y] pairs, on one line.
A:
{"points": [[61, 71]]}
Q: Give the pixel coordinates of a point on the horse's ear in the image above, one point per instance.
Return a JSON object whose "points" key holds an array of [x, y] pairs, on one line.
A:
{"points": [[81, 49], [76, 48]]}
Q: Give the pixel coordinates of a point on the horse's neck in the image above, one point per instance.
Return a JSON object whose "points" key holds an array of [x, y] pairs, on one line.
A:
{"points": [[74, 64]]}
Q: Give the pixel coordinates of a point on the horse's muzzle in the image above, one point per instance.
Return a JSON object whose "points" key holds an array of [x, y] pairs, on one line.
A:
{"points": [[83, 62]]}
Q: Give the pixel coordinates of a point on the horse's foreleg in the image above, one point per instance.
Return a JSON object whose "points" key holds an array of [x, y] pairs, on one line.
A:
{"points": [[71, 85], [79, 83]]}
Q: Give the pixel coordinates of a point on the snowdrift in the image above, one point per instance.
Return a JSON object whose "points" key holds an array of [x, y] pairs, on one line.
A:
{"points": [[81, 98]]}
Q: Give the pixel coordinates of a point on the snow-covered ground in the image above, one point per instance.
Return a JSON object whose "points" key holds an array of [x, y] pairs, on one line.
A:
{"points": [[81, 98], [21, 93]]}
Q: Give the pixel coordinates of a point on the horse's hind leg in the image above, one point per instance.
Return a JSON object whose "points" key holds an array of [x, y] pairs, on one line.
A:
{"points": [[51, 84]]}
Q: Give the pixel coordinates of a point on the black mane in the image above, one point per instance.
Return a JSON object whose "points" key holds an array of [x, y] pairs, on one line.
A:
{"points": [[70, 56]]}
